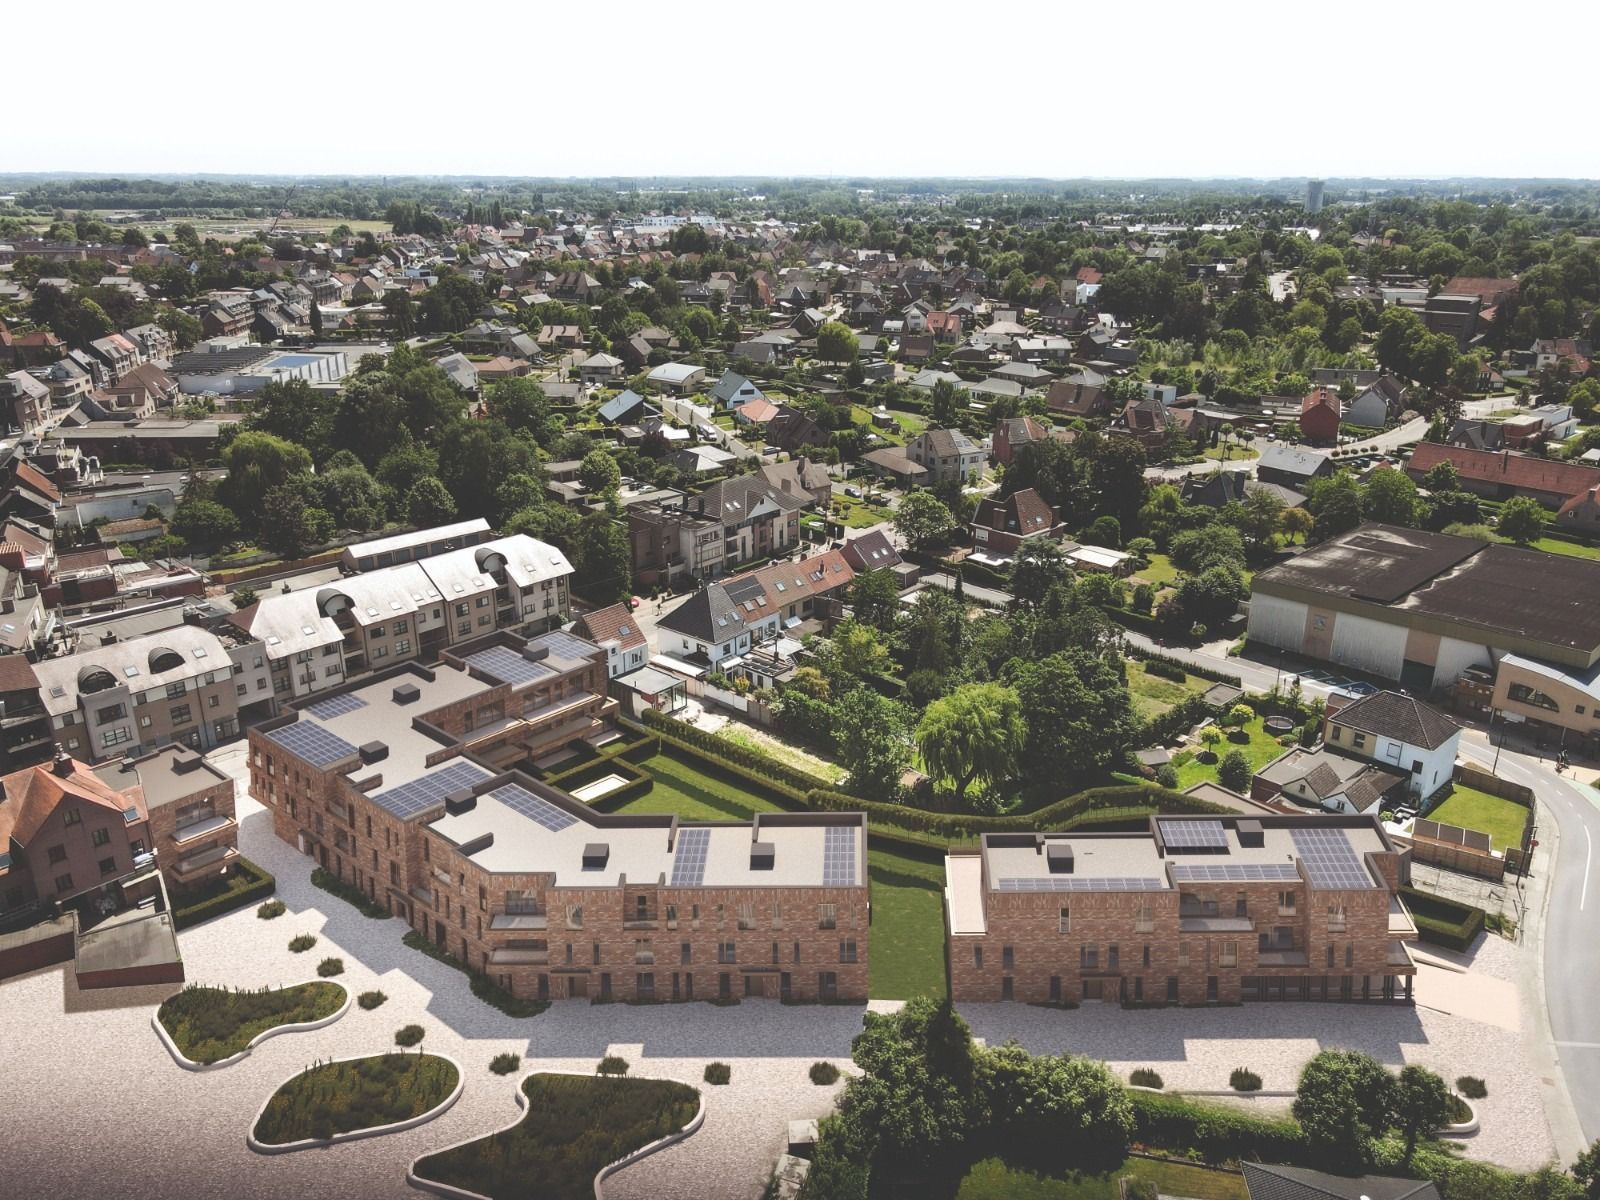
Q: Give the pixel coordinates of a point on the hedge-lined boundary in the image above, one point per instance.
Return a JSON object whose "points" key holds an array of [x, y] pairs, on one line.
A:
{"points": [[1220, 1134], [263, 884], [1143, 655], [1446, 923], [789, 782]]}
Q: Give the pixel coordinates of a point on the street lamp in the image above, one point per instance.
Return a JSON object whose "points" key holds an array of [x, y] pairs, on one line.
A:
{"points": [[1494, 716]]}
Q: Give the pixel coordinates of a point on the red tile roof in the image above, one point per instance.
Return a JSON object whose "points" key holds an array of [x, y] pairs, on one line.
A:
{"points": [[1520, 471], [30, 478], [613, 623], [33, 794]]}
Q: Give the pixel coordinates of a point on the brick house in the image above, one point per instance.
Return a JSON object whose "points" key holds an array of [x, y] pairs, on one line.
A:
{"points": [[1501, 475], [1193, 910], [999, 527], [193, 827], [947, 455], [1012, 433], [409, 788], [1320, 415], [615, 630]]}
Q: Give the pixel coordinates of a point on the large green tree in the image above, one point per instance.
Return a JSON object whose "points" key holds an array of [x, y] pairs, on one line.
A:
{"points": [[1421, 1104], [1343, 1102], [256, 464], [836, 343], [923, 520], [973, 735], [1522, 520], [874, 742], [1079, 714]]}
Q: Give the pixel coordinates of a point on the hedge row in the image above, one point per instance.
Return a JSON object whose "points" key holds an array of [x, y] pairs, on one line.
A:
{"points": [[1163, 727], [256, 884], [789, 780], [1443, 922], [1217, 1133], [1146, 655]]}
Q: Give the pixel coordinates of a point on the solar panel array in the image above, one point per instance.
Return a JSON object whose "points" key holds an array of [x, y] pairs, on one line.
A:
{"points": [[1331, 861], [1194, 835], [336, 706], [689, 860], [1079, 883], [565, 645], [839, 856], [536, 808], [422, 794], [311, 742], [1235, 873], [508, 666]]}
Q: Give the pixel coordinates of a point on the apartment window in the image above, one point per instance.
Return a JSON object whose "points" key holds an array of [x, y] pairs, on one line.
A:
{"points": [[108, 866], [144, 722], [1113, 957], [379, 652], [645, 985], [483, 602], [402, 625], [1358, 740], [747, 916], [180, 714], [71, 817], [175, 690], [394, 874], [100, 837], [1064, 923], [1286, 904], [463, 609], [641, 908], [1241, 905], [685, 953], [594, 949], [643, 953], [672, 916], [796, 954], [1337, 733], [1228, 954], [1172, 989], [58, 854], [1330, 954], [112, 712], [1183, 954], [847, 952], [1144, 958], [777, 915], [977, 957], [1088, 958], [1144, 917], [727, 952], [1349, 954], [1336, 918], [63, 883], [115, 737], [242, 688], [1523, 694], [403, 646], [1008, 958], [575, 917], [827, 916]]}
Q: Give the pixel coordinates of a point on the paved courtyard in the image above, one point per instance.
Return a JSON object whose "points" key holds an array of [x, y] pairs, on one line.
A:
{"points": [[92, 1097]]}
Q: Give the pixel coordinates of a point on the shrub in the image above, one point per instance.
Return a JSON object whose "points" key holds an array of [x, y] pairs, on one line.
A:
{"points": [[504, 1064], [1145, 1077], [612, 1065], [824, 1073], [1460, 1111], [1234, 771], [1244, 1081], [409, 1035], [1166, 669], [272, 909], [1443, 922], [1134, 1188], [370, 1000], [718, 1072], [1472, 1087], [244, 884], [209, 1024], [1217, 1132], [483, 987], [350, 894], [1167, 776], [301, 942], [330, 967], [338, 1097]]}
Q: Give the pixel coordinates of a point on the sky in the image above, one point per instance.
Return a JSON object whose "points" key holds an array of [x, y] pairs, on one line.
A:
{"points": [[1130, 89]]}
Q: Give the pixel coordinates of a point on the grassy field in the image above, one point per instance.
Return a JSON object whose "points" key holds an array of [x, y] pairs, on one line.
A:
{"points": [[993, 1179], [1159, 573], [1153, 695], [1230, 453], [691, 794], [1570, 549], [1471, 809], [793, 755], [857, 515], [1261, 749]]}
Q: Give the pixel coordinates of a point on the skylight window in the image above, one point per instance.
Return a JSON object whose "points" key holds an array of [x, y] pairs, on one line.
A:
{"points": [[130, 672]]}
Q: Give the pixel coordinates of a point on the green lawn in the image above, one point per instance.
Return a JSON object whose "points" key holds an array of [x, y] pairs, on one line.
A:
{"points": [[994, 1179], [1154, 695], [693, 795], [857, 515], [1471, 809], [1570, 549], [1233, 453], [1261, 749], [1159, 573]]}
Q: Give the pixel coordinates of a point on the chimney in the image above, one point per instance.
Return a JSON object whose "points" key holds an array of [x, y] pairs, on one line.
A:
{"points": [[63, 764], [1058, 857], [407, 693]]}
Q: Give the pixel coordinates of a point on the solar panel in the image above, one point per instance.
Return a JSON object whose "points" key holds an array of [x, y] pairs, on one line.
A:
{"points": [[409, 799], [1194, 835], [1331, 861], [335, 706], [536, 808], [1080, 883], [311, 742], [507, 666], [839, 856], [1235, 873], [689, 858]]}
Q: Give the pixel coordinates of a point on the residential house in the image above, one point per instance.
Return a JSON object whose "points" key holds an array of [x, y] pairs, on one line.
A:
{"points": [[677, 379], [800, 477], [1000, 527], [1377, 405], [1291, 467], [625, 408], [1326, 780], [1499, 476], [1399, 731], [1582, 512], [948, 455], [616, 631], [192, 825], [26, 401], [734, 390], [600, 370], [1321, 414], [1082, 395], [795, 431], [1012, 433], [702, 536], [891, 462]]}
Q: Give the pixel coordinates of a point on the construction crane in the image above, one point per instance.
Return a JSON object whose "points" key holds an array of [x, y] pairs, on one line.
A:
{"points": [[278, 216]]}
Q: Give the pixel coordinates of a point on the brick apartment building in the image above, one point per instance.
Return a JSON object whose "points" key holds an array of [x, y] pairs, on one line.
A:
{"points": [[1194, 910], [416, 787], [193, 828]]}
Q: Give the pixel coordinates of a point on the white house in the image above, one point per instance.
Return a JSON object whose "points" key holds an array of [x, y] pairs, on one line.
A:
{"points": [[1398, 731]]}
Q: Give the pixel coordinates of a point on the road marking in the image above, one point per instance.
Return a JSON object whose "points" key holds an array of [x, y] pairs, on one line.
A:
{"points": [[1588, 857], [1580, 1045]]}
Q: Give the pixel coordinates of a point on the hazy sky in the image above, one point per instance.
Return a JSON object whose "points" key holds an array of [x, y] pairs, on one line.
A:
{"points": [[1120, 89]]}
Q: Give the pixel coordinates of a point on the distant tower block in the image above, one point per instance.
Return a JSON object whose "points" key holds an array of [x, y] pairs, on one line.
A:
{"points": [[1314, 195]]}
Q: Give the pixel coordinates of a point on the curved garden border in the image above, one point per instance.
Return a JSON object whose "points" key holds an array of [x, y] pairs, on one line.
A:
{"points": [[188, 1064], [1465, 1128], [605, 1172], [353, 1135]]}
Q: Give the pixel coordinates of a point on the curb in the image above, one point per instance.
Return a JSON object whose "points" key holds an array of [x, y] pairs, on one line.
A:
{"points": [[438, 1110], [1466, 1128], [454, 1193], [189, 1064]]}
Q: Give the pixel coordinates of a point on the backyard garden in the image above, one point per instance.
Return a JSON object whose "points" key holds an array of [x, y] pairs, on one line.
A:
{"points": [[1470, 808], [331, 1098], [573, 1126], [209, 1024]]}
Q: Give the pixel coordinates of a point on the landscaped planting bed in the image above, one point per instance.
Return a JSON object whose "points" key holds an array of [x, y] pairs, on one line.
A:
{"points": [[244, 883], [573, 1127], [209, 1024], [341, 1097]]}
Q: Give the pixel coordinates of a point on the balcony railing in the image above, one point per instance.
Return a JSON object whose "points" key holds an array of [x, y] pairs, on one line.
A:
{"points": [[1281, 957], [206, 862], [201, 826], [507, 956], [519, 920]]}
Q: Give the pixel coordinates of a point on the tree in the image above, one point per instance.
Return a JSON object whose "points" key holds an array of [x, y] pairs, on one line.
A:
{"points": [[1335, 502], [598, 472], [1038, 567], [836, 343], [1586, 1170], [1343, 1101], [1297, 522], [290, 526], [855, 651], [1057, 1106], [601, 562], [973, 735], [397, 306], [257, 463], [945, 403], [204, 523], [1259, 517], [428, 503], [1234, 771], [875, 599], [1522, 519], [874, 743], [1442, 477], [1079, 714], [351, 497], [1421, 1104], [923, 520], [316, 319], [1198, 550], [1390, 497]]}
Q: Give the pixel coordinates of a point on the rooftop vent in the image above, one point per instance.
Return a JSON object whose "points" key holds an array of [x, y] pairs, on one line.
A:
{"points": [[372, 752], [482, 842], [536, 653], [457, 803], [1059, 857], [596, 855], [184, 761], [407, 693], [1250, 833], [761, 856]]}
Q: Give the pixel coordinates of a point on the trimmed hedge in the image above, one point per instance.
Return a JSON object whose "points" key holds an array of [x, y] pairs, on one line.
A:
{"points": [[787, 781], [1218, 1133], [248, 883], [1443, 922], [350, 894], [1147, 656], [484, 988]]}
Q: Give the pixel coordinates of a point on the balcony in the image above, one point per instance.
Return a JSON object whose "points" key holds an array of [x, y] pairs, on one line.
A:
{"points": [[424, 894], [1281, 957], [208, 823], [203, 864], [1400, 923], [1198, 924], [1399, 956], [641, 923], [512, 956], [523, 921]]}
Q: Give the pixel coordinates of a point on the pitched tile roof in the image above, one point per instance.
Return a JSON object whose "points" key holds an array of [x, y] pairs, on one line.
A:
{"points": [[614, 623], [1502, 467], [33, 794], [1404, 718]]}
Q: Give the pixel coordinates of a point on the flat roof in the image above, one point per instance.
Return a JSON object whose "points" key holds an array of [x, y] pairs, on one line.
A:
{"points": [[169, 776], [377, 717], [417, 537]]}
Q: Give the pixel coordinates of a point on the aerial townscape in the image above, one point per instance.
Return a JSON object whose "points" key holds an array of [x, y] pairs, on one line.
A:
{"points": [[800, 685]]}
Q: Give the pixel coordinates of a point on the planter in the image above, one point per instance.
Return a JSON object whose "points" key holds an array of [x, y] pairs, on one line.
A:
{"points": [[353, 1135], [605, 1172], [188, 1064], [1463, 1128]]}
